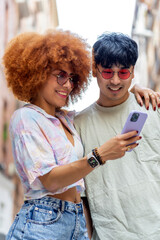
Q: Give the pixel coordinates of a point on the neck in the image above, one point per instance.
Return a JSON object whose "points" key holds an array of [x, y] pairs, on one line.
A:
{"points": [[46, 107], [106, 102]]}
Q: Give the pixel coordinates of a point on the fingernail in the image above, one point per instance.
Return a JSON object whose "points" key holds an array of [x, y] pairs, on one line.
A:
{"points": [[154, 108], [159, 105], [140, 137], [147, 108], [137, 144], [137, 131], [142, 104]]}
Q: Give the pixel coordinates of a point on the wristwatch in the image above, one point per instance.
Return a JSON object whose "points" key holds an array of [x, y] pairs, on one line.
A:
{"points": [[93, 162]]}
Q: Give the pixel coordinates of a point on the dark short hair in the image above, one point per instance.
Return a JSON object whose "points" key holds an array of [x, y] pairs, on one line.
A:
{"points": [[115, 48]]}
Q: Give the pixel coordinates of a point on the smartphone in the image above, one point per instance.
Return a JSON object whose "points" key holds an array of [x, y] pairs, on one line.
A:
{"points": [[135, 121]]}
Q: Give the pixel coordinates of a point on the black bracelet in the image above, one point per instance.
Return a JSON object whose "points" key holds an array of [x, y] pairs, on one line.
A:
{"points": [[97, 156]]}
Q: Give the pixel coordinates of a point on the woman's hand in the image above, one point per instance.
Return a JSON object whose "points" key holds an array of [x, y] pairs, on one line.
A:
{"points": [[118, 145], [148, 95]]}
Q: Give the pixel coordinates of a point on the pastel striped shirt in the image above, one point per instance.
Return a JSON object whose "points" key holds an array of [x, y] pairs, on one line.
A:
{"points": [[39, 144]]}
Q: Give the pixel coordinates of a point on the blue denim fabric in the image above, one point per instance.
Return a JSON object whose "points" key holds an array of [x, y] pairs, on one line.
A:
{"points": [[49, 219]]}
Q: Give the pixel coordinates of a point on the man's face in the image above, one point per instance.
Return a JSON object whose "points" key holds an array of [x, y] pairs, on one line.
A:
{"points": [[114, 89]]}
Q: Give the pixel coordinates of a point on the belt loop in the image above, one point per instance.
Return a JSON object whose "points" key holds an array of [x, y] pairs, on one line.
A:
{"points": [[63, 206]]}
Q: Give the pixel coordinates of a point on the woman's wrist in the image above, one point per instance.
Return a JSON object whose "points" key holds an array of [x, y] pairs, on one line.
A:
{"points": [[98, 156], [102, 154]]}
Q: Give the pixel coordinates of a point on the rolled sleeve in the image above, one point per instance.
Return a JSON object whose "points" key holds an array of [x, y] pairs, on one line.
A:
{"points": [[35, 155]]}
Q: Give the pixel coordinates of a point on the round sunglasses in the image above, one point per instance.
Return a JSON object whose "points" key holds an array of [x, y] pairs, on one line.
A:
{"points": [[109, 73], [63, 77]]}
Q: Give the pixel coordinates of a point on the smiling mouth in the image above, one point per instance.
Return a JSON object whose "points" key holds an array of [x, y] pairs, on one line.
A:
{"points": [[63, 94], [114, 88]]}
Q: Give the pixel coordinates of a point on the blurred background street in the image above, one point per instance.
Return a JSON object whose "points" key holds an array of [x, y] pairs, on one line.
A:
{"points": [[89, 18]]}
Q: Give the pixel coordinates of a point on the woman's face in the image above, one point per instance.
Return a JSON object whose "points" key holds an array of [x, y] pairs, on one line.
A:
{"points": [[52, 95]]}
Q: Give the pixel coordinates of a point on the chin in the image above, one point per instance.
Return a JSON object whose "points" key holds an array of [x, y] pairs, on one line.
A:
{"points": [[61, 105]]}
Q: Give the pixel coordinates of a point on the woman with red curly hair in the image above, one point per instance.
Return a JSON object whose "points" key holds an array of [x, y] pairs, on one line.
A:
{"points": [[47, 71]]}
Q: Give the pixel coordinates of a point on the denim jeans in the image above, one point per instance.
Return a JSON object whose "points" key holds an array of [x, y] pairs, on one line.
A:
{"points": [[49, 219]]}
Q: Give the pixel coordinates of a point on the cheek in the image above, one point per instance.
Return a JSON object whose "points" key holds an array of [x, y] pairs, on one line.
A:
{"points": [[51, 86], [47, 91], [100, 82], [127, 84], [52, 82]]}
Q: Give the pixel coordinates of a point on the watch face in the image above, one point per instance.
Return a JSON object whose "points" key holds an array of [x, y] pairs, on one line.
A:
{"points": [[92, 162]]}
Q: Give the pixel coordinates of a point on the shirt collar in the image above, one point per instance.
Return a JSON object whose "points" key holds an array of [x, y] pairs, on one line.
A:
{"points": [[59, 113]]}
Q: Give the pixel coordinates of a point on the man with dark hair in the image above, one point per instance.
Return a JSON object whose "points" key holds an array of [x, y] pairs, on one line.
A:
{"points": [[123, 195]]}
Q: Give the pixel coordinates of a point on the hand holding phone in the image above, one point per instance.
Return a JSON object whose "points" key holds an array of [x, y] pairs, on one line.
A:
{"points": [[135, 121]]}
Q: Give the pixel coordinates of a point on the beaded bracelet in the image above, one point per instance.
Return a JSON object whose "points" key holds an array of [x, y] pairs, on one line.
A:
{"points": [[97, 156]]}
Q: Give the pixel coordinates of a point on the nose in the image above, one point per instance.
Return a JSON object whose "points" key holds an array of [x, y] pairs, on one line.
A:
{"points": [[68, 83], [115, 79]]}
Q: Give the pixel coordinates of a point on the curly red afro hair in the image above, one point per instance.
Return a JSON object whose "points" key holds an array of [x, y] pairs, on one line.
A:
{"points": [[31, 57]]}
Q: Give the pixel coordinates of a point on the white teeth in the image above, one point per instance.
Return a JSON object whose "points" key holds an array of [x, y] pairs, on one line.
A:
{"points": [[114, 89], [62, 93]]}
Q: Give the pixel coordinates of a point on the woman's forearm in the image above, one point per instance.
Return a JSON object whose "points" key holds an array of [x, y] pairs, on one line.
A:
{"points": [[65, 175]]}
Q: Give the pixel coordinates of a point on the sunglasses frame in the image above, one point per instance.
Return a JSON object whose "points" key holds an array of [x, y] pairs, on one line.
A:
{"points": [[114, 73], [70, 78]]}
